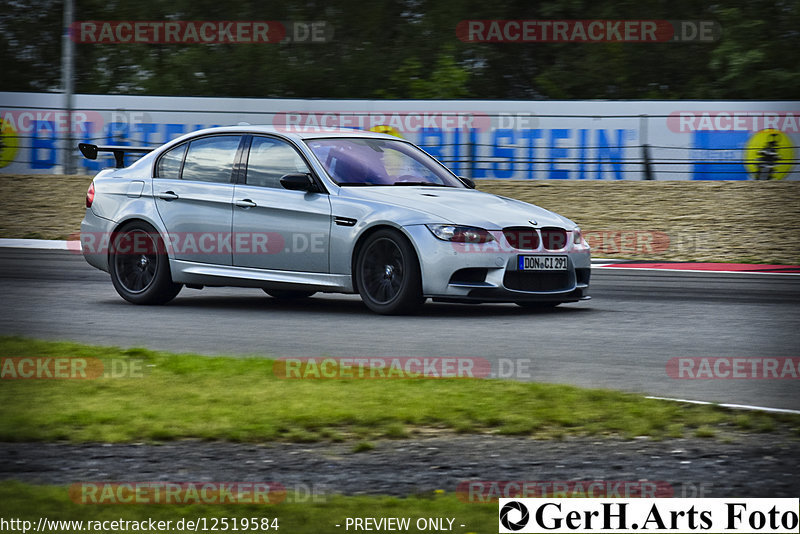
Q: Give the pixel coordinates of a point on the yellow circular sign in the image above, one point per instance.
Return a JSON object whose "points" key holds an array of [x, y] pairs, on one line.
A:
{"points": [[392, 160], [9, 143], [768, 155], [385, 129]]}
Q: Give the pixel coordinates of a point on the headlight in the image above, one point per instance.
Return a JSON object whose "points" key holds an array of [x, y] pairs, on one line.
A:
{"points": [[460, 234]]}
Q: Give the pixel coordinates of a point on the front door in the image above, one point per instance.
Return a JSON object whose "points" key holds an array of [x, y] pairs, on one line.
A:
{"points": [[275, 228]]}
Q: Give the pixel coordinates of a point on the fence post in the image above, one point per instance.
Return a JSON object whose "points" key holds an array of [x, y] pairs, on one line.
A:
{"points": [[646, 162], [470, 154], [67, 84]]}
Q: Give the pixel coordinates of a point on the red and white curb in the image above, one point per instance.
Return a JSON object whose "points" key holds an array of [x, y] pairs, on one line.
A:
{"points": [[701, 267]]}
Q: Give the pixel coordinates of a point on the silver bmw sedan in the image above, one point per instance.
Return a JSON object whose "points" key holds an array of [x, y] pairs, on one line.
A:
{"points": [[340, 211]]}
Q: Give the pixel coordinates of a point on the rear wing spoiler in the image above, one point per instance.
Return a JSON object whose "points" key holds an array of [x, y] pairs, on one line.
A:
{"points": [[90, 151]]}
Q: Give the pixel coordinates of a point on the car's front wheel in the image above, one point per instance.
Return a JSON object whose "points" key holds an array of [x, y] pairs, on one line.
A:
{"points": [[388, 274], [139, 265]]}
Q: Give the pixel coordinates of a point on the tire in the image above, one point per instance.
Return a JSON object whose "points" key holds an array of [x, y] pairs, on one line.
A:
{"points": [[139, 265], [533, 305], [288, 294], [388, 274]]}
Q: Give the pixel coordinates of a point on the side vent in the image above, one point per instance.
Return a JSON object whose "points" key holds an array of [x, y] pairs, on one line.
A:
{"points": [[344, 221]]}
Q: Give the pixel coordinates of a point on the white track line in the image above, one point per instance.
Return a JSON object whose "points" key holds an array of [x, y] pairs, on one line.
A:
{"points": [[614, 267], [731, 406]]}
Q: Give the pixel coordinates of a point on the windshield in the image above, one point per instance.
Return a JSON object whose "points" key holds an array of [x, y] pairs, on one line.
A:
{"points": [[368, 162]]}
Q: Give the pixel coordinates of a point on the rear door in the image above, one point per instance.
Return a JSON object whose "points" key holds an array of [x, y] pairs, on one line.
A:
{"points": [[193, 188], [275, 228]]}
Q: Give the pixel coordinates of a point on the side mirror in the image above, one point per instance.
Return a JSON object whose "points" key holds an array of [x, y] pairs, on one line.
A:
{"points": [[298, 182], [469, 182]]}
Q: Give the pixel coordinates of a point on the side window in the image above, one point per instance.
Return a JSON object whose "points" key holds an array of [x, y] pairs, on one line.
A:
{"points": [[210, 159], [169, 166], [269, 160]]}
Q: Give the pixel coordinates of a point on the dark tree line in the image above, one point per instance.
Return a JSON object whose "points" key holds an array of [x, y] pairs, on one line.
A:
{"points": [[409, 49]]}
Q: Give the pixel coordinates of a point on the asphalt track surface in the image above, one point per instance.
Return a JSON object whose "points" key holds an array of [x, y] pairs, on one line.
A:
{"points": [[622, 339]]}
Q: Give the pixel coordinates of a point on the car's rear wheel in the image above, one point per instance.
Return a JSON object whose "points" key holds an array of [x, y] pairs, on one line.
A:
{"points": [[388, 274], [288, 294], [139, 265]]}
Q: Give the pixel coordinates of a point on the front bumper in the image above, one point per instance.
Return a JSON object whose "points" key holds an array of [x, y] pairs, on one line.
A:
{"points": [[489, 273]]}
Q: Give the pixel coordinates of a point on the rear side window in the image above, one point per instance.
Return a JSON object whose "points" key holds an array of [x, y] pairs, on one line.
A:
{"points": [[169, 166], [210, 159]]}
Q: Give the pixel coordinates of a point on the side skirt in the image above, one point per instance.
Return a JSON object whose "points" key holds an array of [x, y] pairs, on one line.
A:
{"points": [[187, 272]]}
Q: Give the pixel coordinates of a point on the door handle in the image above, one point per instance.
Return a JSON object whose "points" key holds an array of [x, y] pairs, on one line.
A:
{"points": [[246, 203], [167, 195]]}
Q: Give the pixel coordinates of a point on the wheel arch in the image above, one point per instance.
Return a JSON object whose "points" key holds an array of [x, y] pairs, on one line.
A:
{"points": [[365, 234], [160, 288], [138, 218]]}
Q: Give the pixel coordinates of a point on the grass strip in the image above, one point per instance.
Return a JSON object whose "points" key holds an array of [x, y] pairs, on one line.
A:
{"points": [[186, 396]]}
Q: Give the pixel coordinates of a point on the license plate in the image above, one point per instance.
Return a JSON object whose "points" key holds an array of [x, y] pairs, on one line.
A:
{"points": [[542, 263]]}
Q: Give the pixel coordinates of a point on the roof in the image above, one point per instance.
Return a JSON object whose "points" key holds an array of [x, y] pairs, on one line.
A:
{"points": [[298, 132]]}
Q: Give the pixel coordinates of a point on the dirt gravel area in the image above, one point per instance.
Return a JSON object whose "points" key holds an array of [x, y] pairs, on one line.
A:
{"points": [[755, 222], [744, 465], [42, 206]]}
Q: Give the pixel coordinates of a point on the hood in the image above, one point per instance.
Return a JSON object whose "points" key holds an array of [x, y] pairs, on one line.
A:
{"points": [[461, 206]]}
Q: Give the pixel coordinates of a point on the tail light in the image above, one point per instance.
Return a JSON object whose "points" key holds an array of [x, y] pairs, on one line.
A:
{"points": [[90, 195]]}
